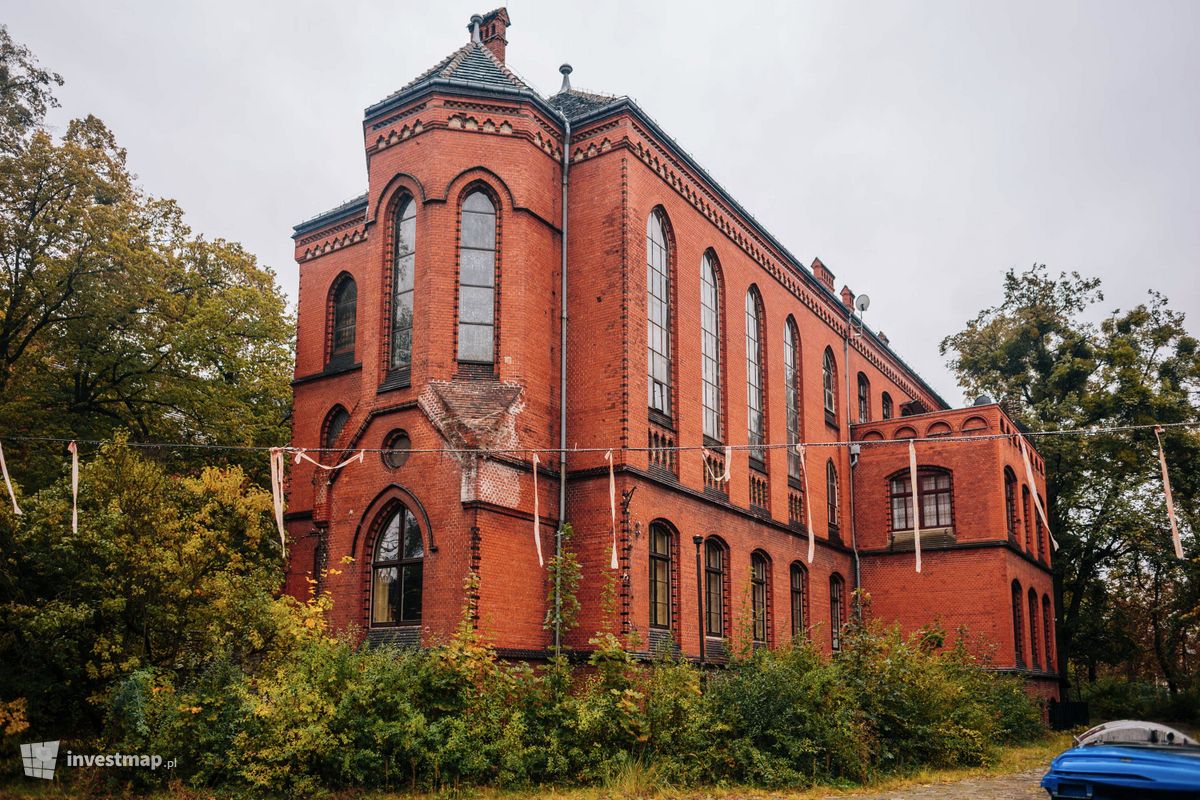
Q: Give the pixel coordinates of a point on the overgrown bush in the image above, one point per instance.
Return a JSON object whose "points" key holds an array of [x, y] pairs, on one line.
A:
{"points": [[1110, 697]]}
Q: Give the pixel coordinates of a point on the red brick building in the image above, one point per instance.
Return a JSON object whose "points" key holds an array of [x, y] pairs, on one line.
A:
{"points": [[429, 328]]}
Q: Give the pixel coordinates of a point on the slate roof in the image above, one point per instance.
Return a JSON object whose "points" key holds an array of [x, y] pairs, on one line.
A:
{"points": [[575, 104], [472, 65]]}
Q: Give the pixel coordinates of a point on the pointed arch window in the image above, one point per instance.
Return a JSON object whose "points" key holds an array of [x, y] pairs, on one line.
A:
{"points": [[760, 574], [831, 497], [864, 398], [396, 572], [344, 314], [1047, 632], [404, 256], [799, 598], [1034, 661], [1018, 625], [660, 575], [888, 410], [658, 315], [714, 588], [335, 423], [837, 610], [477, 280], [829, 384], [1041, 534], [710, 346], [1010, 503], [1027, 513], [791, 394], [755, 411]]}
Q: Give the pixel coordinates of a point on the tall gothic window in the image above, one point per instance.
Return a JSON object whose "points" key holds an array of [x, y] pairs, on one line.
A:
{"points": [[837, 609], [714, 587], [888, 410], [755, 413], [935, 505], [335, 423], [1034, 661], [1027, 512], [477, 280], [759, 584], [831, 496], [660, 576], [396, 571], [404, 257], [864, 398], [1018, 625], [799, 597], [344, 316], [829, 384], [1010, 503], [791, 394], [1047, 631], [658, 315], [1041, 535], [710, 346]]}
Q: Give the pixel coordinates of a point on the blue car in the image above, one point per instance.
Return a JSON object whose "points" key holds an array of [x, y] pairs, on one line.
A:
{"points": [[1127, 760]]}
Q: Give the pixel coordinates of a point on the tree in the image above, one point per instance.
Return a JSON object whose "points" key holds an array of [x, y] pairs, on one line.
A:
{"points": [[113, 314], [1038, 354]]}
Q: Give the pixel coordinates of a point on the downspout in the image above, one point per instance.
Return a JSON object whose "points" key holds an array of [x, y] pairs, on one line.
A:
{"points": [[851, 450], [565, 69]]}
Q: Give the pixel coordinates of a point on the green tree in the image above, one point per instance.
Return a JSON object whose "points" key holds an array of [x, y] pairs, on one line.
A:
{"points": [[1038, 354]]}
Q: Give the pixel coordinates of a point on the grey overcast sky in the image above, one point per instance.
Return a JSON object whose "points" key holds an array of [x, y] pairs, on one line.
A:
{"points": [[919, 148]]}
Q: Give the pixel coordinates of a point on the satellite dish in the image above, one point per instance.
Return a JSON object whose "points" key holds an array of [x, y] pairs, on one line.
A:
{"points": [[862, 303]]}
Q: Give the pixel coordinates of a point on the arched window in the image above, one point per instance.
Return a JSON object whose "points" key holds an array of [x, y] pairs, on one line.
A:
{"points": [[1041, 534], [714, 587], [1018, 624], [335, 423], [864, 398], [1027, 513], [799, 597], [344, 299], [1010, 503], [831, 496], [477, 280], [710, 346], [829, 383], [404, 256], [755, 412], [1048, 632], [837, 610], [660, 575], [759, 591], [658, 315], [888, 410], [396, 571], [791, 394], [935, 493], [1034, 661]]}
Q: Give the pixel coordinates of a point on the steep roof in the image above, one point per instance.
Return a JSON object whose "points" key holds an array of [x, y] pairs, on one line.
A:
{"points": [[473, 66], [575, 104]]}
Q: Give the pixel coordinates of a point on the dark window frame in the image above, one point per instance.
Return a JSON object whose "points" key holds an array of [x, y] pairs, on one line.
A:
{"points": [[711, 363], [798, 594], [793, 393], [1034, 661], [837, 610], [343, 319], [714, 587], [660, 566], [492, 289], [833, 508], [900, 489], [760, 593], [405, 565], [864, 398], [403, 285], [829, 386], [1018, 601], [889, 410], [659, 317], [756, 409], [1010, 503]]}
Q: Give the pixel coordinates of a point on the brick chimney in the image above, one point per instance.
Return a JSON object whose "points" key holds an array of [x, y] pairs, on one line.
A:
{"points": [[493, 30], [847, 297], [822, 274]]}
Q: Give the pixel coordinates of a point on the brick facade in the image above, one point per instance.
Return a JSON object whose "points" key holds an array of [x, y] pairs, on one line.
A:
{"points": [[471, 124]]}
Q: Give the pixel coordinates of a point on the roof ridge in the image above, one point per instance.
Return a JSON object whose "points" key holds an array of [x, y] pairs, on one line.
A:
{"points": [[504, 68]]}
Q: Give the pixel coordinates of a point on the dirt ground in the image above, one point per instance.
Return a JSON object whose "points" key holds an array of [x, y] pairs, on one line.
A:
{"points": [[1015, 786]]}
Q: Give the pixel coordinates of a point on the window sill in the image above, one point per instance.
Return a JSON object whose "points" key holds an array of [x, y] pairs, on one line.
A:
{"points": [[331, 369], [476, 371], [396, 379], [713, 444], [661, 419], [758, 465]]}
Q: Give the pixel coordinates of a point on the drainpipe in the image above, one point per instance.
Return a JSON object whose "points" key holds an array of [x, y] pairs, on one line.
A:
{"points": [[850, 448], [565, 69]]}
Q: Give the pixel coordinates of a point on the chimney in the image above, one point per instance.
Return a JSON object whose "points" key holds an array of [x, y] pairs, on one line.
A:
{"points": [[847, 297], [493, 29], [883, 338], [822, 274]]}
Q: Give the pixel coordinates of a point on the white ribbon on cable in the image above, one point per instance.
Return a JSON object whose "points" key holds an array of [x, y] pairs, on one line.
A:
{"points": [[916, 501], [1037, 496], [728, 461], [73, 449], [277, 468], [612, 505], [8, 483], [537, 535], [302, 455], [807, 506], [1162, 461]]}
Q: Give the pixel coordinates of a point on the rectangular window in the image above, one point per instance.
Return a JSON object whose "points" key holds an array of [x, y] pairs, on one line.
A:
{"points": [[660, 578]]}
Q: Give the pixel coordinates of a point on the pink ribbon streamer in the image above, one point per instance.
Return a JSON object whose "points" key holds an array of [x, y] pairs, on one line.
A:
{"points": [[612, 506], [537, 536], [812, 544], [1037, 496], [302, 455], [73, 449], [916, 501], [277, 469], [1162, 461], [8, 483]]}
